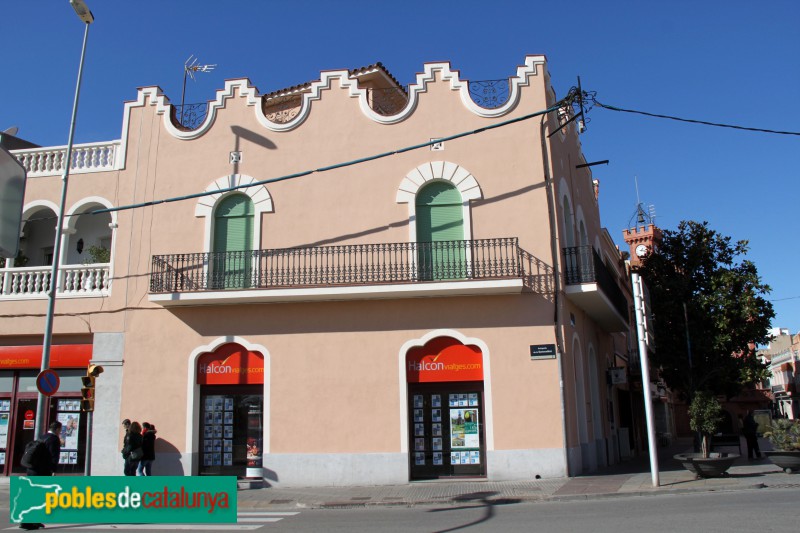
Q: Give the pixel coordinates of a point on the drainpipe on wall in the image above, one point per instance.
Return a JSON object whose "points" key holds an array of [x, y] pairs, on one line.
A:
{"points": [[554, 251]]}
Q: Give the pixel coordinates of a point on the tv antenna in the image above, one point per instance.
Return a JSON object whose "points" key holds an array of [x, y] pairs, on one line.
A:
{"points": [[642, 217], [189, 68]]}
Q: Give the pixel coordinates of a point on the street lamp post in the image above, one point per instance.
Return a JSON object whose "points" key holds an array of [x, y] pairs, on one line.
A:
{"points": [[640, 308], [86, 16]]}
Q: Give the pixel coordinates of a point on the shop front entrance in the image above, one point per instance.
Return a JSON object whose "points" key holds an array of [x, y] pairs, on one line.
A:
{"points": [[24, 429], [19, 366], [446, 410], [231, 383]]}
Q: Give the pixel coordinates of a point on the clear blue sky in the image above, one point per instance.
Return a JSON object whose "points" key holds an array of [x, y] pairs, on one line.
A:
{"points": [[729, 61]]}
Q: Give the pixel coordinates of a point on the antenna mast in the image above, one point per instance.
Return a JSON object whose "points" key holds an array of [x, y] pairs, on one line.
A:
{"points": [[641, 216], [189, 68]]}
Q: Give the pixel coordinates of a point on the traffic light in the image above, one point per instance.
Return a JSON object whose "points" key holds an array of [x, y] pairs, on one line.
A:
{"points": [[87, 391]]}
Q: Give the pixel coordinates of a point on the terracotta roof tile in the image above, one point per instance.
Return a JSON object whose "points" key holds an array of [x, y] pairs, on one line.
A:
{"points": [[353, 72]]}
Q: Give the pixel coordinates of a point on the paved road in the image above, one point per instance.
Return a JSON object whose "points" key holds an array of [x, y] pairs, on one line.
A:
{"points": [[747, 511], [762, 511]]}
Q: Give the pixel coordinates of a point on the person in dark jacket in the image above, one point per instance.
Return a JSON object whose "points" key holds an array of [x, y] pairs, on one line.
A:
{"points": [[126, 425], [52, 442], [132, 447], [750, 431], [149, 448]]}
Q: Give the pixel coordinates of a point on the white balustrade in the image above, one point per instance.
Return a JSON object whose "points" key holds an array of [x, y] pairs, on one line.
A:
{"points": [[49, 161], [75, 280]]}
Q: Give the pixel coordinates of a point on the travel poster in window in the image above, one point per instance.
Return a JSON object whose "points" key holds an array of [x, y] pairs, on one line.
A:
{"points": [[464, 428]]}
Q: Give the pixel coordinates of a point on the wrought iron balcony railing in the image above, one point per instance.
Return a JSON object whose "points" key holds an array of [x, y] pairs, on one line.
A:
{"points": [[489, 94], [582, 264], [190, 116], [357, 264]]}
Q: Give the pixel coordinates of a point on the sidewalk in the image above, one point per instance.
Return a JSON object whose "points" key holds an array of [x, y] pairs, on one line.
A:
{"points": [[631, 478]]}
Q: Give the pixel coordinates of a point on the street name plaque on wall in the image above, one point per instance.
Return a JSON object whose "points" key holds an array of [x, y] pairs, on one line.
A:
{"points": [[543, 351]]}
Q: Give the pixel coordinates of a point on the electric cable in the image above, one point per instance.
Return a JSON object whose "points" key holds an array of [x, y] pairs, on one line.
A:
{"points": [[692, 121], [783, 299]]}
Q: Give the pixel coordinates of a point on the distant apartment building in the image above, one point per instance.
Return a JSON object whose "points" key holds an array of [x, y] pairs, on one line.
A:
{"points": [[284, 306], [782, 355]]}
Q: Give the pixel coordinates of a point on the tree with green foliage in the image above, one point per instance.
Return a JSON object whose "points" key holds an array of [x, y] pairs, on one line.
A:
{"points": [[709, 311], [705, 416]]}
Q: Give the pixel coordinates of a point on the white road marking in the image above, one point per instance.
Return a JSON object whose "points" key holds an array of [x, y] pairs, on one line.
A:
{"points": [[157, 527], [243, 519]]}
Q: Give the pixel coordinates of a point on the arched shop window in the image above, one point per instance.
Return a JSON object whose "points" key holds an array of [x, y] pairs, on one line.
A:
{"points": [[446, 409], [231, 380]]}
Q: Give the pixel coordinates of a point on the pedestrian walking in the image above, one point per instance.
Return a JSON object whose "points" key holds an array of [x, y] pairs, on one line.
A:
{"points": [[132, 450], [126, 426], [149, 449], [44, 460], [750, 432]]}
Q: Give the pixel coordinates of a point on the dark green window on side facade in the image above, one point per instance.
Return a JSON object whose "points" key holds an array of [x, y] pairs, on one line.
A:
{"points": [[441, 252], [231, 261]]}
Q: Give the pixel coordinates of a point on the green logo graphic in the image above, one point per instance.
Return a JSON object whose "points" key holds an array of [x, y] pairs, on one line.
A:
{"points": [[129, 500]]}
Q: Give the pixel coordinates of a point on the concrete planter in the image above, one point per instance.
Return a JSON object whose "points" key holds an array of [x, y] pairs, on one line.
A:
{"points": [[715, 465], [789, 461]]}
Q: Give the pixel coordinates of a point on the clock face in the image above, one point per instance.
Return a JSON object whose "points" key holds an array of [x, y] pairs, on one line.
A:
{"points": [[641, 250]]}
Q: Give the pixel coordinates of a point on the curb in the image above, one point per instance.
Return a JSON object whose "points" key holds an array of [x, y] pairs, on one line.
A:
{"points": [[518, 499], [642, 493]]}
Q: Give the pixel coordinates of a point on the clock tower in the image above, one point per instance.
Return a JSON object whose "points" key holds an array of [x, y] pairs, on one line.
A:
{"points": [[642, 240]]}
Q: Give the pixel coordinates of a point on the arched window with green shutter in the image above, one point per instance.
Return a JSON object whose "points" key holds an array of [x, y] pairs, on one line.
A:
{"points": [[441, 252], [231, 259]]}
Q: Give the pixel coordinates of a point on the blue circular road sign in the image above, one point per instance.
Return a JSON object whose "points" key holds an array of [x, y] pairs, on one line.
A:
{"points": [[48, 382]]}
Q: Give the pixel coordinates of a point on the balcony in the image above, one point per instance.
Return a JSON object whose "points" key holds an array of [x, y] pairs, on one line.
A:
{"points": [[360, 271], [591, 286], [89, 157], [783, 389], [74, 281]]}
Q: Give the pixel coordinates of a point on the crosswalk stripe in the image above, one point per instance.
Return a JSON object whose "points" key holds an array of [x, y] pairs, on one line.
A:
{"points": [[265, 513], [157, 527], [240, 520]]}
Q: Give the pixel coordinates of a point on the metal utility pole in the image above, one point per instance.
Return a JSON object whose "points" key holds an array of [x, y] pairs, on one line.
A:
{"points": [[641, 333], [87, 17]]}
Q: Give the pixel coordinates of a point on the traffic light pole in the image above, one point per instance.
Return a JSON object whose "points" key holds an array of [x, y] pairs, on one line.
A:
{"points": [[87, 468], [87, 406]]}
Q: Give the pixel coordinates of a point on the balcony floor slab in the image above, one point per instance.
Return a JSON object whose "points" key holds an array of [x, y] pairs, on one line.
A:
{"points": [[349, 292]]}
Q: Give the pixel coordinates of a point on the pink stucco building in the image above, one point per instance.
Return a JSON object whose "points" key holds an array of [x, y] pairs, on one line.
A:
{"points": [[451, 310]]}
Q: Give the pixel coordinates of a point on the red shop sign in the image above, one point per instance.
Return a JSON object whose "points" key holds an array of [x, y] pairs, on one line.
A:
{"points": [[230, 364], [61, 356], [444, 359]]}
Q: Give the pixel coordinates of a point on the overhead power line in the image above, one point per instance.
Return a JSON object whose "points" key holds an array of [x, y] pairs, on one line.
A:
{"points": [[783, 299], [690, 120]]}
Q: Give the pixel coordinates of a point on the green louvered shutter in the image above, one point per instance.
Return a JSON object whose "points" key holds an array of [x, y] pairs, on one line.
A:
{"points": [[440, 232], [233, 237]]}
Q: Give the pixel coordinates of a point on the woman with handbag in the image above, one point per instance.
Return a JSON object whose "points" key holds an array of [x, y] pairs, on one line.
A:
{"points": [[132, 451]]}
